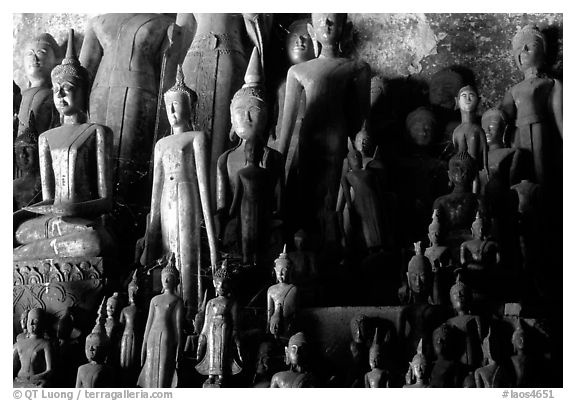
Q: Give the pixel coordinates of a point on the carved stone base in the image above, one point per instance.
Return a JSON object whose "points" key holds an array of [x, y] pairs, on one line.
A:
{"points": [[56, 284]]}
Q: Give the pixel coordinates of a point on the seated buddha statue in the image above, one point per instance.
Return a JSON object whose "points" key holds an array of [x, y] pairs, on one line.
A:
{"points": [[479, 253], [75, 176]]}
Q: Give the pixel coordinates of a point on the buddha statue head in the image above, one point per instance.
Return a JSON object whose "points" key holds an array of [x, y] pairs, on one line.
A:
{"points": [[358, 327], [421, 126], [460, 295], [223, 280], [467, 99], [443, 88], [462, 170], [170, 275], [26, 147], [70, 83], [266, 362], [112, 305], [419, 364], [248, 109], [327, 29], [478, 229], [434, 229], [296, 349], [180, 102], [376, 352], [520, 338], [36, 322], [41, 55], [282, 266], [299, 43], [419, 273], [97, 342], [363, 141], [493, 124], [355, 159], [529, 48]]}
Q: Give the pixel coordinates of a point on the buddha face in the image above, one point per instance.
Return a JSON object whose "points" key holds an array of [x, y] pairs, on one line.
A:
{"points": [[295, 352], [281, 270], [444, 87], [358, 328], [362, 142], [418, 279], [355, 159], [459, 300], [39, 60], [263, 364], [169, 281], [417, 368], [35, 321], [248, 117], [221, 286], [530, 53], [327, 28], [94, 349], [494, 129], [178, 110], [299, 43], [434, 237], [421, 129], [375, 359], [26, 157], [68, 97], [467, 99], [111, 306]]}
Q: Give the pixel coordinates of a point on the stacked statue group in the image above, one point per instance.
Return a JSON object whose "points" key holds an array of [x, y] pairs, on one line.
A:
{"points": [[215, 199]]}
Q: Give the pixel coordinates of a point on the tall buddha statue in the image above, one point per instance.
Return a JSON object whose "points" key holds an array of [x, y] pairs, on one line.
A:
{"points": [[249, 113], [214, 57], [181, 197], [337, 93], [41, 55], [75, 171], [27, 188], [131, 58], [534, 106]]}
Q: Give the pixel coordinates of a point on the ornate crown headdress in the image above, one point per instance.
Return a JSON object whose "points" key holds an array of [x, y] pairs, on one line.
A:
{"points": [[181, 88], [171, 268], [253, 79], [282, 261], [99, 330], [223, 273], [70, 68], [459, 286]]}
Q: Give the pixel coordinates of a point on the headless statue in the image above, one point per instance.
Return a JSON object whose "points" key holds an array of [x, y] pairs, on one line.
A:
{"points": [[75, 172]]}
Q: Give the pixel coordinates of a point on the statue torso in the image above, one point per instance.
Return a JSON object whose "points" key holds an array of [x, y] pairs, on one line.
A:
{"points": [[531, 98]]}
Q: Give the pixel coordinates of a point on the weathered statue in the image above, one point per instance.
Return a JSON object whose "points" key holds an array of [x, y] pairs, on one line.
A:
{"points": [[534, 106], [27, 188], [458, 209], [32, 355], [379, 376], [131, 58], [493, 374], [75, 171], [282, 299], [359, 351], [364, 194], [526, 367], [219, 349], [297, 375], [479, 253], [213, 58], [469, 135], [112, 325], [42, 54], [417, 375], [441, 260], [163, 343], [181, 196], [467, 328], [447, 372], [96, 373], [130, 318], [253, 203], [337, 94], [249, 113], [23, 325]]}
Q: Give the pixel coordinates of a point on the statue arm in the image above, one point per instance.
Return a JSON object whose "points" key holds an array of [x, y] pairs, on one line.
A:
{"points": [[154, 228], [269, 310], [179, 326], [509, 109], [556, 105], [346, 190], [222, 184], [238, 193], [201, 151], [478, 379], [463, 254], [48, 361], [149, 322], [291, 104], [91, 52], [188, 23], [202, 339], [235, 337], [341, 201], [484, 149]]}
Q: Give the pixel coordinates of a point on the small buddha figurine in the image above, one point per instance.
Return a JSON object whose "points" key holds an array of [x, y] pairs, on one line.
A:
{"points": [[468, 327], [41, 55], [249, 113], [493, 374], [534, 106], [130, 342], [359, 351], [479, 253], [303, 260], [378, 377], [252, 202], [441, 260], [526, 366], [446, 372], [23, 325], [282, 299], [76, 190], [469, 135], [68, 353], [417, 375], [113, 327], [27, 188], [337, 91], [181, 196], [419, 277], [163, 342], [33, 355], [297, 375], [96, 373], [219, 349], [366, 203], [267, 363], [458, 209]]}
